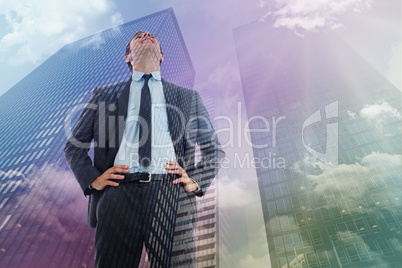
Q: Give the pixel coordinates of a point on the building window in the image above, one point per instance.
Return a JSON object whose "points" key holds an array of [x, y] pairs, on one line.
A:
{"points": [[271, 207], [278, 243], [325, 214], [373, 224], [383, 245], [292, 241], [275, 226], [315, 235], [283, 205], [342, 255]]}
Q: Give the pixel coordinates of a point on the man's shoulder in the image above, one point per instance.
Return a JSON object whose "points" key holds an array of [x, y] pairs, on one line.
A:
{"points": [[181, 90], [111, 90]]}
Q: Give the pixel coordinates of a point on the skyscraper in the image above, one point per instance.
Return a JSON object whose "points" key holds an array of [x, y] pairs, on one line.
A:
{"points": [[325, 127], [42, 209], [196, 240]]}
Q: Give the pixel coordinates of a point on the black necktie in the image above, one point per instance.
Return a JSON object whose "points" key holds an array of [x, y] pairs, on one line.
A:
{"points": [[145, 124]]}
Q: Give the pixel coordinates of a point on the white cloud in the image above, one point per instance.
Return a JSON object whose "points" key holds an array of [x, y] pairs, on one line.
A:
{"points": [[251, 261], [95, 41], [329, 177], [346, 237], [359, 174], [380, 114], [116, 19], [262, 3], [309, 15], [39, 28], [258, 252], [385, 161], [307, 23], [222, 74], [233, 193], [375, 160], [11, 173], [225, 81], [321, 183], [373, 111], [352, 115], [42, 190]]}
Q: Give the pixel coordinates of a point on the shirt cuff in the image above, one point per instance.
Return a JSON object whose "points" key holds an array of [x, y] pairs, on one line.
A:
{"points": [[198, 191], [89, 190]]}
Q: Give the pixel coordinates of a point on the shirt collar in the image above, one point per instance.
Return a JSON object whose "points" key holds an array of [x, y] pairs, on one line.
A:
{"points": [[138, 75]]}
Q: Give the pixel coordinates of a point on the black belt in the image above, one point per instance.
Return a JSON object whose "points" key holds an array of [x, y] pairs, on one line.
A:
{"points": [[141, 177]]}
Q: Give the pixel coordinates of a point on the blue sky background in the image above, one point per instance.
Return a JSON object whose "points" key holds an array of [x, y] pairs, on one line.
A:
{"points": [[32, 30]]}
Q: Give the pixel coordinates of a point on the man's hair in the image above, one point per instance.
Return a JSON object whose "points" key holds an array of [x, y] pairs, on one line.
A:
{"points": [[128, 49]]}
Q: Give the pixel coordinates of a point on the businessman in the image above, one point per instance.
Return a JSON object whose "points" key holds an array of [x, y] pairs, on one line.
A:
{"points": [[144, 131]]}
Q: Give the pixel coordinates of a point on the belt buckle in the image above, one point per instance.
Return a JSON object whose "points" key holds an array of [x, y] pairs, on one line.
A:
{"points": [[149, 177]]}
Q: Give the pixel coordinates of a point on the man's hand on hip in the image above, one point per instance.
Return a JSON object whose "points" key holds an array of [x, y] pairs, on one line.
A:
{"points": [[103, 180], [174, 168]]}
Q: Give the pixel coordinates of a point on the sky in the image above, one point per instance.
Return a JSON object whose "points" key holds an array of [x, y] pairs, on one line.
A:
{"points": [[33, 30]]}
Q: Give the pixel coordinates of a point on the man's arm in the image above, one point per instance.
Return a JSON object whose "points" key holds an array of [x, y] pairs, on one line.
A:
{"points": [[200, 131], [78, 145]]}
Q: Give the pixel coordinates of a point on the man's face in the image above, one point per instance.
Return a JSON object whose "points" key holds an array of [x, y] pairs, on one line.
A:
{"points": [[144, 43]]}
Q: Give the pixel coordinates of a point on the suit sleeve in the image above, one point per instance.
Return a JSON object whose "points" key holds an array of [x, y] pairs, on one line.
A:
{"points": [[200, 131], [78, 145]]}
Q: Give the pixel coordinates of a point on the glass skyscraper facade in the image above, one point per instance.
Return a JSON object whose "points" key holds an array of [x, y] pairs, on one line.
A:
{"points": [[196, 240], [326, 133], [42, 207]]}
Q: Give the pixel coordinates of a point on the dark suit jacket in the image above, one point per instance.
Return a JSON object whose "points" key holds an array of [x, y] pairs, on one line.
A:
{"points": [[103, 121]]}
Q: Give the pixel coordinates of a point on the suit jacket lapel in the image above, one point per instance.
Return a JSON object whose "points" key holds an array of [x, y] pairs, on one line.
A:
{"points": [[122, 104], [175, 116]]}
